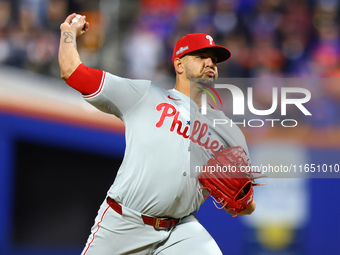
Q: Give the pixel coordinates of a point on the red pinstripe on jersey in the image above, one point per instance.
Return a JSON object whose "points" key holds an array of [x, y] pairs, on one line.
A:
{"points": [[99, 89], [86, 80], [101, 220]]}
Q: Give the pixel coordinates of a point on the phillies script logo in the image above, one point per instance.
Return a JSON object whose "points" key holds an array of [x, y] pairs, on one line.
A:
{"points": [[199, 135]]}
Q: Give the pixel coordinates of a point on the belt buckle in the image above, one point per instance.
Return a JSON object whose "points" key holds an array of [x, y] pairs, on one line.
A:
{"points": [[157, 223]]}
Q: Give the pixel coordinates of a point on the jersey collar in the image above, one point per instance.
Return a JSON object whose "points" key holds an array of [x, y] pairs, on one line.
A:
{"points": [[183, 97]]}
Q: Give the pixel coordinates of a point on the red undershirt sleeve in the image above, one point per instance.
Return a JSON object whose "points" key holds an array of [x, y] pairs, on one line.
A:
{"points": [[85, 79]]}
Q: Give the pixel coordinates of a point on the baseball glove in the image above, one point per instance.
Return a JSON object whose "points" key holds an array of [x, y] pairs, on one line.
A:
{"points": [[229, 180]]}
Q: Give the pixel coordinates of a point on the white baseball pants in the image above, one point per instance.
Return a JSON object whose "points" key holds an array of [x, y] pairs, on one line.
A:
{"points": [[115, 234]]}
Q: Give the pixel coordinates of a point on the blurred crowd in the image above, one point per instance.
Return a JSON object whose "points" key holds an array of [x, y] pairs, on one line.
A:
{"points": [[267, 38], [29, 32]]}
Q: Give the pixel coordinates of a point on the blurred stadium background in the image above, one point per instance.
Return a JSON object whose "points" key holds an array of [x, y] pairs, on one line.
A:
{"points": [[59, 155]]}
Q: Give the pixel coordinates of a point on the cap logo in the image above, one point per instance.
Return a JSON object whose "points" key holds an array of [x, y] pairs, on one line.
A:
{"points": [[182, 49], [210, 39]]}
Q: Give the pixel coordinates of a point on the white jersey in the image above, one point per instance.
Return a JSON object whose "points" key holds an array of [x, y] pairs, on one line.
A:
{"points": [[157, 175]]}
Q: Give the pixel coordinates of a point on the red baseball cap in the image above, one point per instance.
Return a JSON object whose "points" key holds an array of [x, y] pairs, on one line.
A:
{"points": [[193, 42]]}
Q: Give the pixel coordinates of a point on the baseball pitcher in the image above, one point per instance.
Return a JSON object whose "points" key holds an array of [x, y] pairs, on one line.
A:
{"points": [[149, 207]]}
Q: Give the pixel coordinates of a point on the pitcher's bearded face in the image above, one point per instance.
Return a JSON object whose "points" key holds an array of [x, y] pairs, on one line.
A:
{"points": [[200, 66]]}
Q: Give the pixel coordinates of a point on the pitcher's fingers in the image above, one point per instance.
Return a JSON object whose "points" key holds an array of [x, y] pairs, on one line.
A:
{"points": [[70, 18], [86, 27]]}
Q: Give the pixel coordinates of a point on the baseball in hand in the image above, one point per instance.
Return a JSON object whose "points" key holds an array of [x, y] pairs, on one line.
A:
{"points": [[76, 19]]}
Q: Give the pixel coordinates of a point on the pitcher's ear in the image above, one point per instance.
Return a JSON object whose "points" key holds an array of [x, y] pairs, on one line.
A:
{"points": [[179, 65]]}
